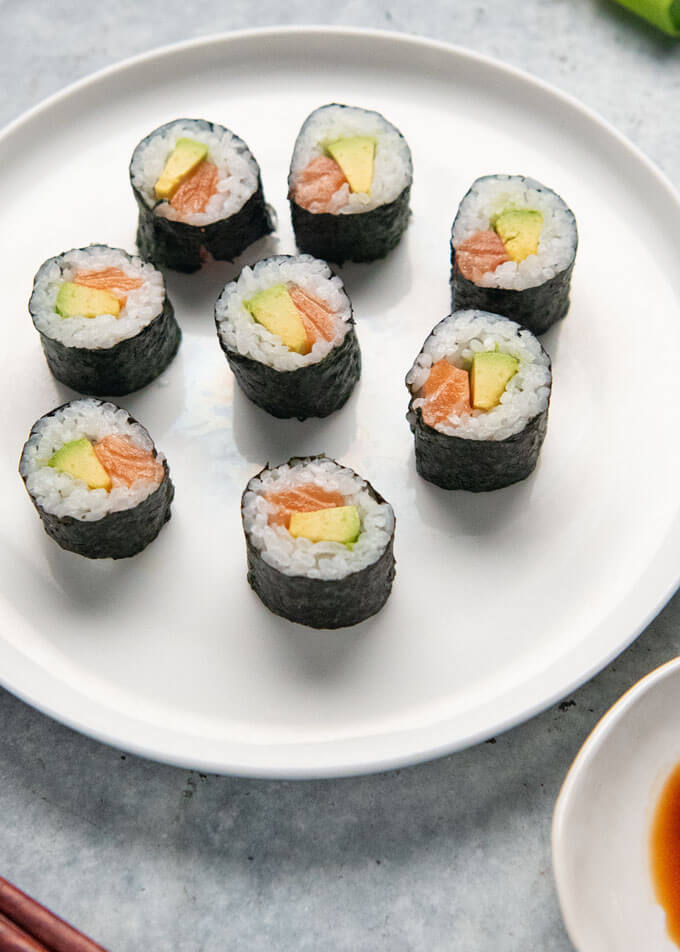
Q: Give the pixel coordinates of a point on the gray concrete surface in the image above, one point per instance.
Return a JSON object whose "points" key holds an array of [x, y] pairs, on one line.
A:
{"points": [[453, 854]]}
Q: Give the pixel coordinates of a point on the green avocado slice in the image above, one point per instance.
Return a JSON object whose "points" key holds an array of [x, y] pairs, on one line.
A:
{"points": [[79, 460], [355, 156], [274, 309], [520, 231], [490, 374], [340, 524], [182, 161], [75, 300]]}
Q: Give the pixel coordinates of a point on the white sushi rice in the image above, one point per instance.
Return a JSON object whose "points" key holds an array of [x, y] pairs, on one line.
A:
{"points": [[143, 304], [62, 494], [457, 339], [238, 173], [392, 169], [239, 330], [493, 194], [322, 560]]}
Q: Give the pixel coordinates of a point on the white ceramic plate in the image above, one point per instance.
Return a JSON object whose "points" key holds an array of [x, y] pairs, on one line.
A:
{"points": [[603, 818], [502, 602]]}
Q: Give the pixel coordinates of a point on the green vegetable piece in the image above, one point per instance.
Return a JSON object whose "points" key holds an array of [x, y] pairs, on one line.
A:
{"points": [[520, 231], [274, 309], [490, 374], [662, 13], [74, 300], [79, 460], [181, 162], [356, 157], [341, 524]]}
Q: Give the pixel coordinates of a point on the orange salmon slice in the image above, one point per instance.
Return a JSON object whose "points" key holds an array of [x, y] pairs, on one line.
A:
{"points": [[316, 316], [317, 184], [306, 498], [445, 390], [109, 279], [195, 192], [480, 253], [125, 462]]}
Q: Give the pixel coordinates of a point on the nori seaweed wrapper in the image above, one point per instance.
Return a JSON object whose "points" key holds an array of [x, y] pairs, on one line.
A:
{"points": [[536, 308], [323, 603], [113, 371], [183, 247], [117, 535], [359, 236], [452, 462], [312, 391], [363, 236], [127, 366]]}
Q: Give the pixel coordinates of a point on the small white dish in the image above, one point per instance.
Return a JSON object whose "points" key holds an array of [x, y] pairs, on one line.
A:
{"points": [[602, 821]]}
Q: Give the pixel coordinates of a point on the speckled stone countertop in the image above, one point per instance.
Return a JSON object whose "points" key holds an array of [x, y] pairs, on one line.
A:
{"points": [[453, 854]]}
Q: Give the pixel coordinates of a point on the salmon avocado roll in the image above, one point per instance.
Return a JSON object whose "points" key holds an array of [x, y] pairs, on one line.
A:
{"points": [[199, 194], [96, 480], [105, 322], [349, 184], [319, 542], [287, 330], [513, 245], [479, 393]]}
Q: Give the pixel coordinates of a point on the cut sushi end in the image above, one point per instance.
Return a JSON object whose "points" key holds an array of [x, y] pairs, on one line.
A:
{"points": [[192, 155], [199, 194], [105, 322], [349, 184], [348, 160], [287, 330], [104, 494], [479, 415], [319, 542], [512, 233]]}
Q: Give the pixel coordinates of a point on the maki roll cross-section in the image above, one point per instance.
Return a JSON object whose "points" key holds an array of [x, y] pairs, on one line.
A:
{"points": [[513, 245], [287, 330], [105, 322], [96, 480], [199, 194], [349, 184], [479, 394], [319, 542]]}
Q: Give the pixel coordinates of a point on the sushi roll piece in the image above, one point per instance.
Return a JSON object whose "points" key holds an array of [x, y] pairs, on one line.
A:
{"points": [[99, 485], [105, 322], [199, 194], [513, 245], [287, 330], [349, 184], [479, 393], [319, 541]]}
